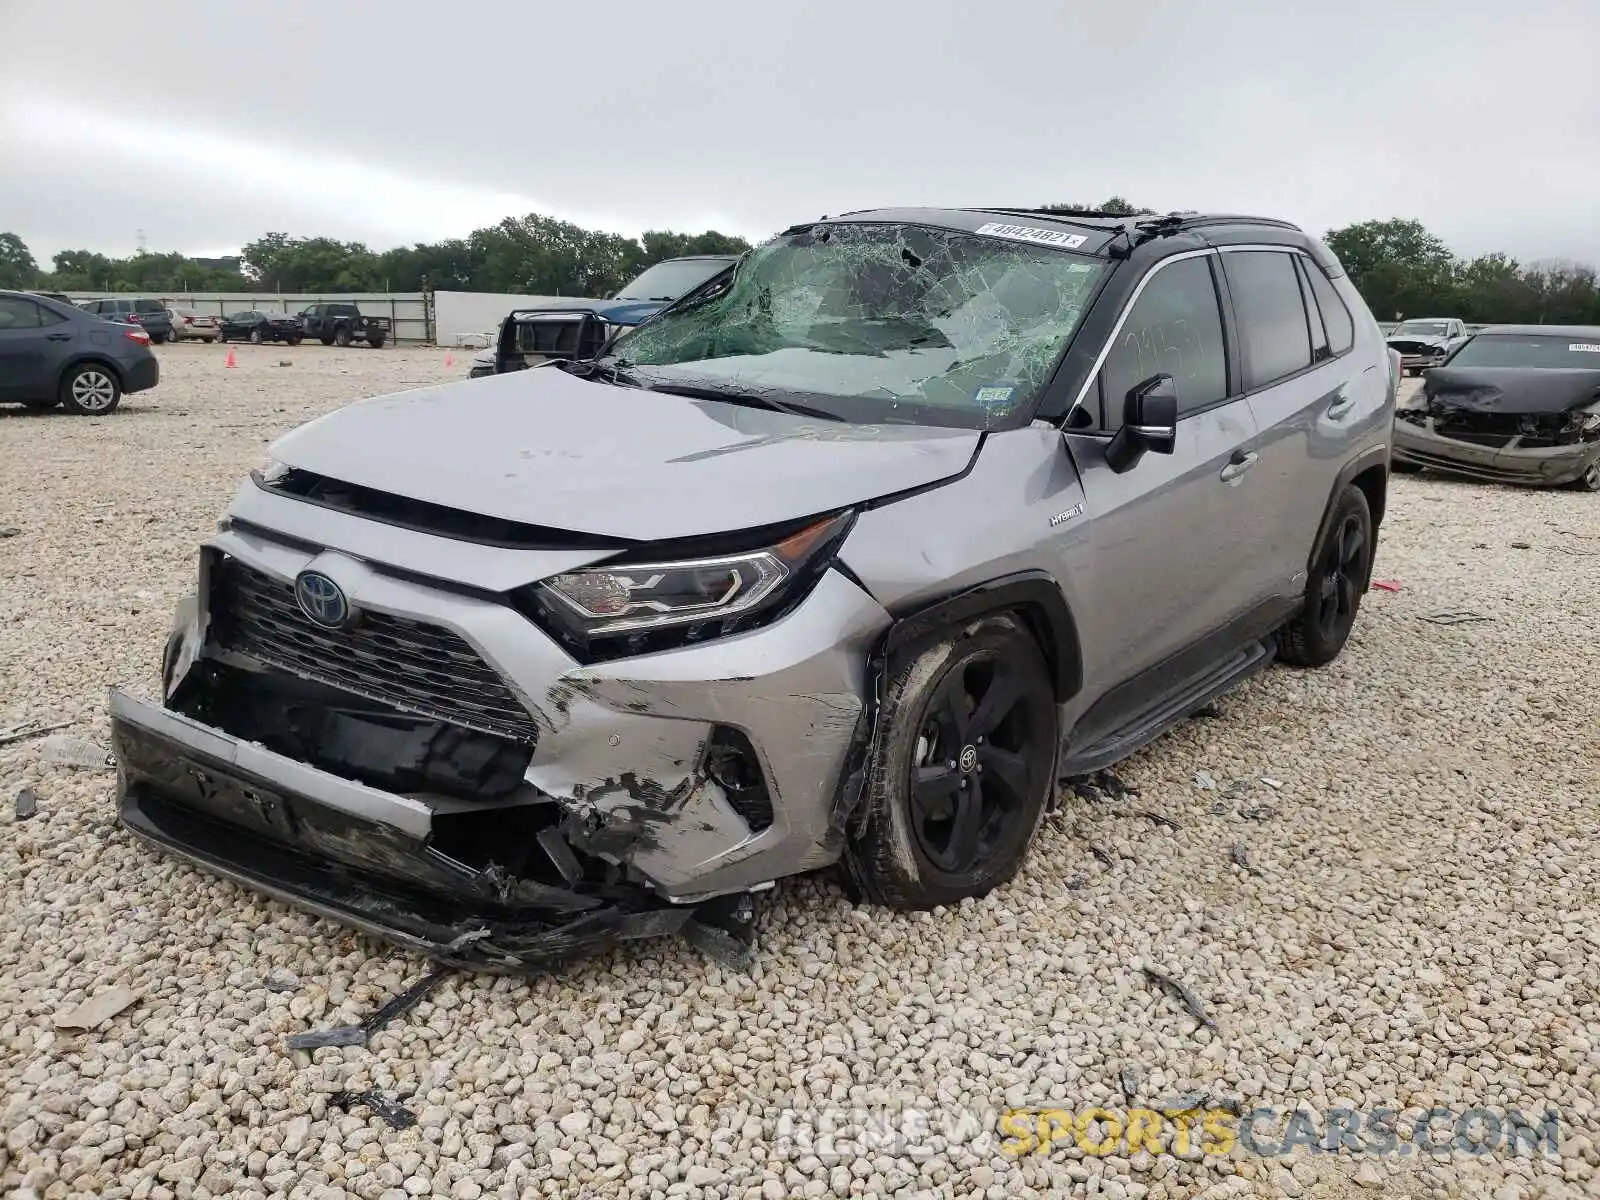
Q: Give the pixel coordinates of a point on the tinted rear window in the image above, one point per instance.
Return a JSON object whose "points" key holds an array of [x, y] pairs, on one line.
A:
{"points": [[1272, 316], [150, 306], [1530, 350]]}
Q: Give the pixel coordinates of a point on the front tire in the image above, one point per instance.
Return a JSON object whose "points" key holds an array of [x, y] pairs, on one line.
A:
{"points": [[1589, 481], [293, 341], [1333, 592], [961, 771], [341, 337], [255, 337], [90, 390], [375, 342], [326, 339]]}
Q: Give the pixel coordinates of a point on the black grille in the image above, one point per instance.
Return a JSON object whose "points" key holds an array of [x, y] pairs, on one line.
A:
{"points": [[409, 665]]}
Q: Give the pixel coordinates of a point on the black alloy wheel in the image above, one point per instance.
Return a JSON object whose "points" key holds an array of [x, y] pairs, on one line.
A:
{"points": [[961, 771]]}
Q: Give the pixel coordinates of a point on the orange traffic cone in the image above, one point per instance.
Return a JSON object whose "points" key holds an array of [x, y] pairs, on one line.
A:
{"points": [[449, 360], [230, 362]]}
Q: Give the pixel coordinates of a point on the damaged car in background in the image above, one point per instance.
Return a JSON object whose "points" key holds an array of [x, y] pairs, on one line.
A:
{"points": [[844, 560], [578, 328], [1426, 341], [1515, 404]]}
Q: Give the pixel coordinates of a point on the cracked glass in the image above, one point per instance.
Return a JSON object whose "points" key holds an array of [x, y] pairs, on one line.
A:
{"points": [[877, 323]]}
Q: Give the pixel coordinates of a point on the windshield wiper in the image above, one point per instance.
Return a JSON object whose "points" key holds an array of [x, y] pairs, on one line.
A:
{"points": [[748, 399], [610, 372]]}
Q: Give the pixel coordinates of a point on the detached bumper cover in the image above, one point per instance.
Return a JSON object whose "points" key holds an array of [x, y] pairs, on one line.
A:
{"points": [[1548, 466], [346, 851]]}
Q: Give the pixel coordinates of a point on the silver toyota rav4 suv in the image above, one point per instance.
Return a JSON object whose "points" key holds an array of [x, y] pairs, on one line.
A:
{"points": [[846, 557]]}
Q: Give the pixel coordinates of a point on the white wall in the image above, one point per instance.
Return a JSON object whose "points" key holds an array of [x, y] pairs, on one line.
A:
{"points": [[460, 314]]}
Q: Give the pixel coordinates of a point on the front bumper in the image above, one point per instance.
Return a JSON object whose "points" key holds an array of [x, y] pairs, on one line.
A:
{"points": [[622, 754], [1539, 466], [345, 851]]}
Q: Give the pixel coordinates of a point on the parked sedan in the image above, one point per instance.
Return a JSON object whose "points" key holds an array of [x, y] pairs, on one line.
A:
{"points": [[188, 325], [1516, 404], [53, 353], [256, 326]]}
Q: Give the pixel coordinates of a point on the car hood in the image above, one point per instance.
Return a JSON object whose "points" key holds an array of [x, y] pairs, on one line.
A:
{"points": [[547, 448], [1518, 390], [1427, 339], [618, 312]]}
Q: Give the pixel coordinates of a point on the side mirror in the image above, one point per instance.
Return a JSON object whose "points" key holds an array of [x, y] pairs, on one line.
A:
{"points": [[1149, 422]]}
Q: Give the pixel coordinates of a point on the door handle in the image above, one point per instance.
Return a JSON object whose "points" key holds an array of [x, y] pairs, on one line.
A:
{"points": [[1238, 465], [59, 337]]}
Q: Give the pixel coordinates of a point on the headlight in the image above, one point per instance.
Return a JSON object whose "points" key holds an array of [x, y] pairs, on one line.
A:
{"points": [[633, 607]]}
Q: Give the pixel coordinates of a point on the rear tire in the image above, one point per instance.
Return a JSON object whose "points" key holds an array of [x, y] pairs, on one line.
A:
{"points": [[90, 390], [326, 339], [961, 771], [1338, 577], [294, 341], [341, 337], [256, 338], [208, 341]]}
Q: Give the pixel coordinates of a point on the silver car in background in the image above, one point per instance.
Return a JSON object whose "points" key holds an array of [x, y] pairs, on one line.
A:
{"points": [[844, 561]]}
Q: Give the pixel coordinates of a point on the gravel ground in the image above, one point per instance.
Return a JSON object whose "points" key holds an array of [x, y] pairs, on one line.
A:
{"points": [[1417, 924]]}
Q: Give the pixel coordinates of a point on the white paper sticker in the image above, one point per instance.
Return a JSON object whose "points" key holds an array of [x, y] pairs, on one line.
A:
{"points": [[1026, 233], [1585, 347]]}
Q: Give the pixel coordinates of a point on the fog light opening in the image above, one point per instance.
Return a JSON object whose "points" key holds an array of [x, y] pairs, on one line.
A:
{"points": [[732, 763]]}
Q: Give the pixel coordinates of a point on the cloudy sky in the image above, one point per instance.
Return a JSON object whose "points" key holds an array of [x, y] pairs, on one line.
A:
{"points": [[206, 124]]}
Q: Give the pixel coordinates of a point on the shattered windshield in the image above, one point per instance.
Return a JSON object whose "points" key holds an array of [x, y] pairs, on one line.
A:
{"points": [[1540, 350], [876, 323]]}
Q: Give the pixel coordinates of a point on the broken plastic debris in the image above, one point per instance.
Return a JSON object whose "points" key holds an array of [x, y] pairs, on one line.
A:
{"points": [[1164, 822], [1522, 545], [396, 1114], [1101, 785], [357, 1035], [9, 531], [1260, 813], [97, 1010], [1274, 784], [1181, 991], [1386, 585], [1453, 617], [19, 733], [1204, 781], [27, 803], [78, 753]]}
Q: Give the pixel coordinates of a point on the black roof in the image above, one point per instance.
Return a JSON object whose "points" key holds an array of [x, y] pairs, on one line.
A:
{"points": [[1583, 331], [1097, 230]]}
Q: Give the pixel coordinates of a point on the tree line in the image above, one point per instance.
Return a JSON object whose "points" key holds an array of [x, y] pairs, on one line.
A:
{"points": [[532, 255], [1399, 267]]}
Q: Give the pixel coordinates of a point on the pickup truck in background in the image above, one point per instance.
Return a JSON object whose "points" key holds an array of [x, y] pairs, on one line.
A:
{"points": [[577, 328], [342, 324]]}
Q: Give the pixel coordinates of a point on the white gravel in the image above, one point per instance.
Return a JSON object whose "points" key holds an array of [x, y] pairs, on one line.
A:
{"points": [[1420, 923]]}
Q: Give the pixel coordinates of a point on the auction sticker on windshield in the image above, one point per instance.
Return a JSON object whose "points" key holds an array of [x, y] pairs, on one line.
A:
{"points": [[1584, 348], [1024, 233]]}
